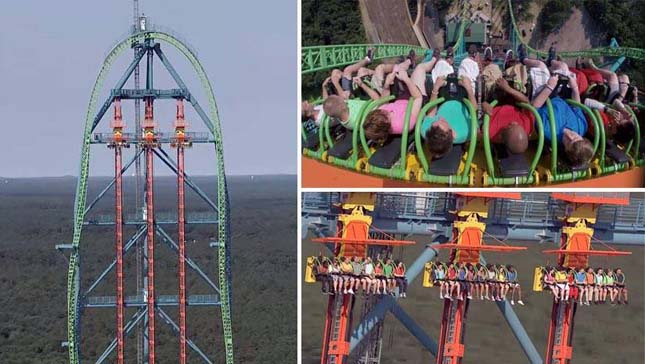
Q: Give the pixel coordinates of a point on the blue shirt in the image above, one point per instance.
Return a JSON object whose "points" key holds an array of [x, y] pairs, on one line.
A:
{"points": [[511, 276], [440, 274], [566, 117], [462, 273], [580, 277]]}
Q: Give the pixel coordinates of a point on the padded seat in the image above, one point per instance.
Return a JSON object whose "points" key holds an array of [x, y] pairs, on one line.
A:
{"points": [[342, 147], [564, 162], [615, 153], [387, 155], [311, 142], [447, 165], [511, 165]]}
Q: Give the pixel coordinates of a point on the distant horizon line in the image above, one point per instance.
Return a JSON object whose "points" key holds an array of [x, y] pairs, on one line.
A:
{"points": [[165, 175]]}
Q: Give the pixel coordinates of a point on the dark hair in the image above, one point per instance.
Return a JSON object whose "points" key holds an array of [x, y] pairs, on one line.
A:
{"points": [[625, 132], [377, 126], [439, 141]]}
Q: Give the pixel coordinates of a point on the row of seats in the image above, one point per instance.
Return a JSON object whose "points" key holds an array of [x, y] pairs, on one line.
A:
{"points": [[404, 157], [488, 282], [586, 285], [343, 275]]}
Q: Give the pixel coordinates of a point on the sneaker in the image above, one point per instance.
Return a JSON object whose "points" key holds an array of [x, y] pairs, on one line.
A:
{"points": [[488, 53], [370, 55], [351, 291], [551, 56], [520, 302], [460, 298], [512, 302], [521, 53], [440, 296], [345, 292]]}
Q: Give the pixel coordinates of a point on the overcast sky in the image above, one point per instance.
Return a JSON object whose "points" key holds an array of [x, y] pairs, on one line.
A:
{"points": [[50, 54]]}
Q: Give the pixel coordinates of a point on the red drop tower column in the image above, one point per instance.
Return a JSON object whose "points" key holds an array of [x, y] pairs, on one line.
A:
{"points": [[149, 144], [180, 143], [117, 143]]}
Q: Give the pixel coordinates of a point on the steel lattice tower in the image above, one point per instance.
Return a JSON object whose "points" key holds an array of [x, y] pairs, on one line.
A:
{"points": [[150, 144]]}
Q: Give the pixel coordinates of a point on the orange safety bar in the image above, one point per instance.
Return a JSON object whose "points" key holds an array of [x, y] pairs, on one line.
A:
{"points": [[509, 195], [350, 241], [587, 252], [492, 248]]}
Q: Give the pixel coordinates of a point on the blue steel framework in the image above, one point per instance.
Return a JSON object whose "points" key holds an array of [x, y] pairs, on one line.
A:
{"points": [[81, 298], [426, 213]]}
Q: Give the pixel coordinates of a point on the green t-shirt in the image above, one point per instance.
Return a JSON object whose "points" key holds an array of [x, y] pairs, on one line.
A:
{"points": [[387, 270], [355, 106], [456, 114]]}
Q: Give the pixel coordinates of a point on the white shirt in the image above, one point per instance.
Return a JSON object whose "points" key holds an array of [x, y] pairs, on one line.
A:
{"points": [[368, 268], [470, 69], [321, 114], [441, 69]]}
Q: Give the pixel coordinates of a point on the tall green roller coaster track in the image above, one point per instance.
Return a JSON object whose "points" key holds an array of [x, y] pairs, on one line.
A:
{"points": [[92, 119]]}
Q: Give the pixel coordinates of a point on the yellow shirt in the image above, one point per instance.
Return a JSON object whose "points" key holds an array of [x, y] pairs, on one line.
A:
{"points": [[501, 276], [560, 277]]}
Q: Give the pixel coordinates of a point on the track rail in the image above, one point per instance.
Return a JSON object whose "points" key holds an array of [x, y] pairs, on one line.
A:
{"points": [[320, 58], [634, 53], [73, 275]]}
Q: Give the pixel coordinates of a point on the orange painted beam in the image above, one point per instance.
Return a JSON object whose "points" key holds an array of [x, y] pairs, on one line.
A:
{"points": [[605, 198], [491, 248], [509, 195], [350, 241], [587, 252]]}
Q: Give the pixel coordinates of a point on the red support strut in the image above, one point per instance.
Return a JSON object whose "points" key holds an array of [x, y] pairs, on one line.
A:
{"points": [[117, 125], [182, 242], [149, 147], [119, 251]]}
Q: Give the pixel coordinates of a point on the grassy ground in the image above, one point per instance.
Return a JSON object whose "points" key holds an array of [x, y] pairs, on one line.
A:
{"points": [[603, 334], [35, 214]]}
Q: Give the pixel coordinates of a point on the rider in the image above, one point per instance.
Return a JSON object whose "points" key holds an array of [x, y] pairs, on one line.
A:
{"points": [[581, 278], [448, 124], [389, 119], [401, 281], [321, 265], [570, 122], [440, 276], [347, 271], [620, 283], [511, 276]]}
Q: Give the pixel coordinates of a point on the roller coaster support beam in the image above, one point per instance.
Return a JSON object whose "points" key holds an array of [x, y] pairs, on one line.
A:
{"points": [[614, 67], [388, 303], [414, 329], [518, 330]]}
